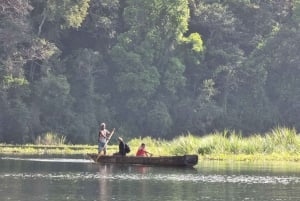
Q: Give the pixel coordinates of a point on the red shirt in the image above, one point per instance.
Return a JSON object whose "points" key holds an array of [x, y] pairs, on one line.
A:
{"points": [[141, 152]]}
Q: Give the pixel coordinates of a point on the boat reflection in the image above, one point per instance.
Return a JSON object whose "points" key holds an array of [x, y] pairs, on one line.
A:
{"points": [[142, 169], [109, 172], [105, 192]]}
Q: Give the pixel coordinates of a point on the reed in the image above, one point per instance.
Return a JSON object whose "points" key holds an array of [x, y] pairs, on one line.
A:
{"points": [[280, 143], [281, 140], [184, 145], [50, 139]]}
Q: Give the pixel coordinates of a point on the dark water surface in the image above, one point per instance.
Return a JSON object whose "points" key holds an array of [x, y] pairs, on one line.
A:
{"points": [[56, 179]]}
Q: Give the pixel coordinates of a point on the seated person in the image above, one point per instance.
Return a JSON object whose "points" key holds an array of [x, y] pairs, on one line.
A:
{"points": [[122, 151], [142, 151]]}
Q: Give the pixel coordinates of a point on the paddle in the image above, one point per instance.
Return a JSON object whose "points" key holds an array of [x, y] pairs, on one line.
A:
{"points": [[108, 139]]}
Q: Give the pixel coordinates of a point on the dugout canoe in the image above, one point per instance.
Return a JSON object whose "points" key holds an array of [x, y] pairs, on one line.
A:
{"points": [[176, 161]]}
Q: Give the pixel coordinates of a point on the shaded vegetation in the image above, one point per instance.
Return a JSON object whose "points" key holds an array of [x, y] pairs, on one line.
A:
{"points": [[158, 68]]}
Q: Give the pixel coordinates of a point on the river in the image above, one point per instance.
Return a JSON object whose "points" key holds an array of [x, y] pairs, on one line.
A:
{"points": [[68, 178]]}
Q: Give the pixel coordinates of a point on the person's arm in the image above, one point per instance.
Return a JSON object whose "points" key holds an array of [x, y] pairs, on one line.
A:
{"points": [[148, 153], [109, 133]]}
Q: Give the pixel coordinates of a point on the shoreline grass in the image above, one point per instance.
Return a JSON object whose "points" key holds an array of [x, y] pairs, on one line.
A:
{"points": [[280, 144]]}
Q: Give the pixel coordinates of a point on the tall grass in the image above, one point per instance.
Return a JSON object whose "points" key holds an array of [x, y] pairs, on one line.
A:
{"points": [[282, 140], [279, 141], [50, 139], [184, 145]]}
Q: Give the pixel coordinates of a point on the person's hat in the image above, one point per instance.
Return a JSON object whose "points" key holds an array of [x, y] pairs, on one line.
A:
{"points": [[102, 124], [121, 139]]}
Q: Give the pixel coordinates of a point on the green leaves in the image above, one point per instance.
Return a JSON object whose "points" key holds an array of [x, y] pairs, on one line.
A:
{"points": [[296, 10], [157, 67], [173, 78], [70, 13], [195, 40], [159, 120]]}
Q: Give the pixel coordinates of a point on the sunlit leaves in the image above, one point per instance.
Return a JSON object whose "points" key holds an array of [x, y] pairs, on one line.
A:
{"points": [[72, 13], [196, 41], [10, 81], [208, 90], [41, 49]]}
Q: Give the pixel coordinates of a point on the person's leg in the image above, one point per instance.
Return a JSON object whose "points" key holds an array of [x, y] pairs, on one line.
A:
{"points": [[104, 150], [99, 147]]}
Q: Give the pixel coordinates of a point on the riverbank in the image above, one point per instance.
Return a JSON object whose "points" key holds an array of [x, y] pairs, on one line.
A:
{"points": [[280, 144], [6, 149]]}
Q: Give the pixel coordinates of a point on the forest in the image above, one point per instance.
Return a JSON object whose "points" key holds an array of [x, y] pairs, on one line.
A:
{"points": [[158, 68]]}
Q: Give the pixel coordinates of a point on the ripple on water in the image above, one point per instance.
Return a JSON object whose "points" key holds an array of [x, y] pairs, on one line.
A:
{"points": [[245, 179]]}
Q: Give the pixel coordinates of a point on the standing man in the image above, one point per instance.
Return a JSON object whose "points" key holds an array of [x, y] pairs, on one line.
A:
{"points": [[102, 138]]}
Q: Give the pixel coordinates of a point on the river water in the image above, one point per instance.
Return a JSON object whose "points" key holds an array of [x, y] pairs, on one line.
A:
{"points": [[57, 179]]}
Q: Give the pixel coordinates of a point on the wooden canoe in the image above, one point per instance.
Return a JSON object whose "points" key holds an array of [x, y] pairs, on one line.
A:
{"points": [[176, 161]]}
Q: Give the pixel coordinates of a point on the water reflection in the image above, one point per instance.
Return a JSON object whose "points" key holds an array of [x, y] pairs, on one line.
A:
{"points": [[104, 172], [75, 179], [142, 169]]}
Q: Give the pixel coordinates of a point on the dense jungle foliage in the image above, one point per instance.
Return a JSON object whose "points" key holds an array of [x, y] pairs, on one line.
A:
{"points": [[156, 68]]}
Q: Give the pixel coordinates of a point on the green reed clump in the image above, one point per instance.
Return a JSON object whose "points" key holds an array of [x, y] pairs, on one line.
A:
{"points": [[210, 144], [278, 140], [221, 142], [50, 139], [282, 140], [188, 144], [253, 144]]}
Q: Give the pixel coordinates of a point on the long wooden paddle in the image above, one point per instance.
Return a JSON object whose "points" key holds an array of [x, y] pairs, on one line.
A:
{"points": [[108, 139]]}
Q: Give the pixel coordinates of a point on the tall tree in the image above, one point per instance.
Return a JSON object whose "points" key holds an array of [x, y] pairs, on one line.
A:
{"points": [[146, 66]]}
